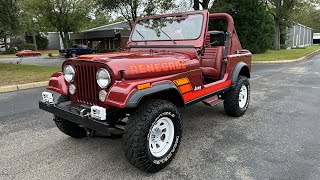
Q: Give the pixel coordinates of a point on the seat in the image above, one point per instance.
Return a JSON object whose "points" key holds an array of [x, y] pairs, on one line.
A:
{"points": [[211, 62]]}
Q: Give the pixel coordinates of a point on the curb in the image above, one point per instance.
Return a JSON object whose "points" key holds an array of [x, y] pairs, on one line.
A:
{"points": [[287, 61], [4, 89]]}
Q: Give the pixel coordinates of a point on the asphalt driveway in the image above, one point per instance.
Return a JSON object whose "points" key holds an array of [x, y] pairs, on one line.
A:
{"points": [[278, 137], [37, 60]]}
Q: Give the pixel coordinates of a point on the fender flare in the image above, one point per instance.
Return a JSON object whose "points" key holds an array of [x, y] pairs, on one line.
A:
{"points": [[236, 72], [136, 97], [58, 84]]}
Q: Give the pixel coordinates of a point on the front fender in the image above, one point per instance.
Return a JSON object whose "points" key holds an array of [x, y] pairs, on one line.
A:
{"points": [[125, 95], [137, 96], [58, 84]]}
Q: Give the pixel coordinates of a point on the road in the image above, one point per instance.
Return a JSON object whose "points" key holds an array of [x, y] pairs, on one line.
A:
{"points": [[278, 137], [36, 60]]}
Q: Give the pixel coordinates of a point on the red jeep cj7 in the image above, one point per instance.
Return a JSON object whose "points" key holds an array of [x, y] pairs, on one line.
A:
{"points": [[172, 61]]}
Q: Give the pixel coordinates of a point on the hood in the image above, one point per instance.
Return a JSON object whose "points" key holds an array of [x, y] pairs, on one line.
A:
{"points": [[145, 64]]}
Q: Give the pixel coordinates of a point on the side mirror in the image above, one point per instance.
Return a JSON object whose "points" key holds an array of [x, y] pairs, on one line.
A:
{"points": [[217, 38], [117, 36]]}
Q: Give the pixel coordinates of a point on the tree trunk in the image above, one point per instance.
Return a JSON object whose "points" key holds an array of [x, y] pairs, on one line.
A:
{"points": [[34, 41], [277, 34], [63, 40], [5, 43], [196, 5], [66, 38], [205, 4], [277, 19]]}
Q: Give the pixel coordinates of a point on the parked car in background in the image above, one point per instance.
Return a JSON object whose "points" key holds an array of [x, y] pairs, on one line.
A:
{"points": [[24, 53], [2, 48], [76, 50]]}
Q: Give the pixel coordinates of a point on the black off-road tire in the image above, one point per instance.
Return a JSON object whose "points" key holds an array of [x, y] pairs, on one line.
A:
{"points": [[67, 127], [136, 142], [231, 98]]}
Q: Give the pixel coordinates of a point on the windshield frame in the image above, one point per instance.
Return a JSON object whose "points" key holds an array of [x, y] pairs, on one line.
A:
{"points": [[166, 16]]}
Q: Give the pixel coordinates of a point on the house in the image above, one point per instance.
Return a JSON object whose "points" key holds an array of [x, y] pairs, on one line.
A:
{"points": [[54, 40], [316, 38], [103, 37], [299, 36]]}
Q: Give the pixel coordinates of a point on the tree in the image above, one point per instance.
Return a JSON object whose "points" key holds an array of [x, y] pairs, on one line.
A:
{"points": [[63, 15], [253, 22], [99, 18], [9, 19], [203, 3], [308, 14], [281, 11], [131, 9]]}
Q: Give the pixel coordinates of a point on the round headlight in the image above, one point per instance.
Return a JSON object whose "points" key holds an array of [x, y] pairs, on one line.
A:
{"points": [[69, 73], [103, 78], [72, 89], [102, 95]]}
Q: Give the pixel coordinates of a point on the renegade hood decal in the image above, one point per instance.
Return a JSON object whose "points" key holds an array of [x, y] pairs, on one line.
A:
{"points": [[145, 64]]}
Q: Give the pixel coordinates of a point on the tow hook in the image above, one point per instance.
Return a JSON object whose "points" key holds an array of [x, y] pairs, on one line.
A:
{"points": [[84, 113]]}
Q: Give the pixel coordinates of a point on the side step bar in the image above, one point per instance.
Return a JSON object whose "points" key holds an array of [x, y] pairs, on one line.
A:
{"points": [[212, 101]]}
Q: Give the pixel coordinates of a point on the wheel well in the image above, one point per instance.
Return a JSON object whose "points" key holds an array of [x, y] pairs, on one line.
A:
{"points": [[245, 72], [171, 95]]}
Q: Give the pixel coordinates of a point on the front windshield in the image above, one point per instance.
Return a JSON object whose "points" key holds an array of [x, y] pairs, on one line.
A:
{"points": [[182, 27]]}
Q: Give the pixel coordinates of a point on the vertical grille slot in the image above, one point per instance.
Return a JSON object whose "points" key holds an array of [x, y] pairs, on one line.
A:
{"points": [[86, 84]]}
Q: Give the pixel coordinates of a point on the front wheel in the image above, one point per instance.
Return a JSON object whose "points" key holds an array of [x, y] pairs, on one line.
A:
{"points": [[152, 135], [67, 127], [236, 101]]}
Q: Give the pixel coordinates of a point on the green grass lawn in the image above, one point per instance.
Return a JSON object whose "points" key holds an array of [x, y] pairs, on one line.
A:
{"points": [[46, 52], [11, 74], [285, 54]]}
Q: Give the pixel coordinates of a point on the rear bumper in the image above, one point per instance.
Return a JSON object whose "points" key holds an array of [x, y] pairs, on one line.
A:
{"points": [[76, 114]]}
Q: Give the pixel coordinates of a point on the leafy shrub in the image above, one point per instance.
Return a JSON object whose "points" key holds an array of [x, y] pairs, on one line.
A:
{"points": [[283, 46], [26, 46], [42, 41], [50, 54], [104, 50], [10, 50]]}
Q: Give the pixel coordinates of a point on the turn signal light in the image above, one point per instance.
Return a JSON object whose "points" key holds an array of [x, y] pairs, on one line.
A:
{"points": [[143, 86], [185, 88], [181, 81]]}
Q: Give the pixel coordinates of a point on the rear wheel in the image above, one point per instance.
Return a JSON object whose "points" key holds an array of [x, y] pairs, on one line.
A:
{"points": [[236, 101], [67, 127], [152, 135]]}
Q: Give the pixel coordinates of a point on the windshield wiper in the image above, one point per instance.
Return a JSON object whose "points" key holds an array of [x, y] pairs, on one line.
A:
{"points": [[167, 36], [142, 37]]}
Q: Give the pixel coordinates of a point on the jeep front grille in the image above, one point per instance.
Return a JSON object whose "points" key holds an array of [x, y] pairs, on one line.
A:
{"points": [[86, 84]]}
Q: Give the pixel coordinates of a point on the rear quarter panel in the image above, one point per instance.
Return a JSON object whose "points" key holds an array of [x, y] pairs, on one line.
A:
{"points": [[233, 60]]}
